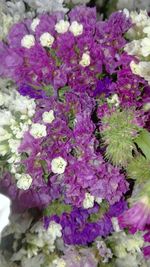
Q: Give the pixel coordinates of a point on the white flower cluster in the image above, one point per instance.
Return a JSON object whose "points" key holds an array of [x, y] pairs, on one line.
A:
{"points": [[46, 5], [133, 4], [10, 13], [58, 263], [39, 238], [104, 251], [38, 130], [47, 40], [6, 21], [127, 248], [16, 112], [139, 46], [32, 244], [14, 10]]}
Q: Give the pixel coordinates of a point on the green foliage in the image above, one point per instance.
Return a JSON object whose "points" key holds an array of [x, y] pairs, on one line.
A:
{"points": [[49, 90], [143, 142], [57, 208], [104, 206], [55, 57], [139, 169], [118, 136], [61, 93]]}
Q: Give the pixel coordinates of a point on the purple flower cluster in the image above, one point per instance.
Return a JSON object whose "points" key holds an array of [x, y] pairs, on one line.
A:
{"points": [[77, 228], [73, 77], [59, 65]]}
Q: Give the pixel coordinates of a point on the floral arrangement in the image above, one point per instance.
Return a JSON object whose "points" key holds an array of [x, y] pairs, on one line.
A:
{"points": [[74, 140]]}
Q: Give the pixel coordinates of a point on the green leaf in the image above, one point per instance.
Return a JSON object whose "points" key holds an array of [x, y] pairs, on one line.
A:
{"points": [[49, 90], [104, 206], [55, 57], [61, 93], [139, 168], [56, 208], [100, 75], [143, 142]]}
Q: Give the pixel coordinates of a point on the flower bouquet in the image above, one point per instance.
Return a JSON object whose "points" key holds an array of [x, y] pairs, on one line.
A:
{"points": [[75, 141]]}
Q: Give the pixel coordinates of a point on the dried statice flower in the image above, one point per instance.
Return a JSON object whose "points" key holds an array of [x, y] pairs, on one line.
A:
{"points": [[46, 5]]}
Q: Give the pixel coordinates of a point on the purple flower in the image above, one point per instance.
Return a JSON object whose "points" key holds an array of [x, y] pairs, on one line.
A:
{"points": [[146, 252], [103, 87], [78, 231], [27, 90], [137, 217]]}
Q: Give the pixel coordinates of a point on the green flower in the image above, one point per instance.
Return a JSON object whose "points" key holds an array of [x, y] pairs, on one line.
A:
{"points": [[118, 133], [139, 169]]}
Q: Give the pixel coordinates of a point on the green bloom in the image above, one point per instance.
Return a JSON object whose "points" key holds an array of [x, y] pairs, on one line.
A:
{"points": [[118, 135], [139, 169]]}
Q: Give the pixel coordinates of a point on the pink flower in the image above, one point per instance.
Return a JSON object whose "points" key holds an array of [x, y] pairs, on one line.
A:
{"points": [[137, 217]]}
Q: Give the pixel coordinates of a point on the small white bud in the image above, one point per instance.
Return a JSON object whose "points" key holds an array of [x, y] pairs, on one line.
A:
{"points": [[34, 24], [24, 181], [85, 61], [46, 39], [58, 165], [62, 26], [88, 201], [76, 28], [28, 41], [48, 116], [38, 130]]}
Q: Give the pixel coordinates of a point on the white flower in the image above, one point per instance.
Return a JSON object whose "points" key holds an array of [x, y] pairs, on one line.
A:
{"points": [[4, 149], [6, 117], [145, 47], [28, 41], [86, 60], [48, 116], [23, 105], [46, 39], [34, 24], [126, 12], [14, 158], [115, 224], [2, 99], [46, 5], [141, 19], [147, 106], [142, 69], [133, 48], [4, 135], [98, 200], [147, 30], [23, 127], [88, 202], [114, 99], [14, 145], [58, 165], [76, 28], [134, 67], [62, 26], [24, 181], [54, 230], [4, 211], [38, 130], [58, 263]]}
